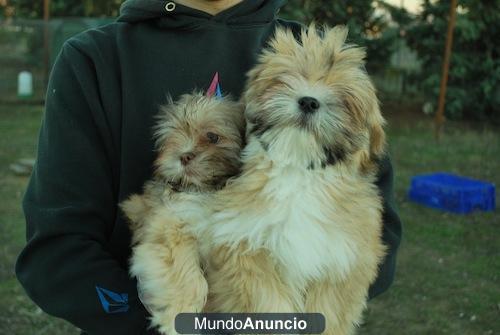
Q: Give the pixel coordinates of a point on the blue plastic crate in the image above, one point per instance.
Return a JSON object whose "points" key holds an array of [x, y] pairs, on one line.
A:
{"points": [[452, 193]]}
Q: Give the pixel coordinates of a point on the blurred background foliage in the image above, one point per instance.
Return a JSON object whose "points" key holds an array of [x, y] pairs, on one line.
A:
{"points": [[474, 81], [405, 50], [61, 8]]}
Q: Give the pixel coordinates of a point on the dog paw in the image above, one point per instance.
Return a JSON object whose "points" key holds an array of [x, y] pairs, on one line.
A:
{"points": [[163, 322]]}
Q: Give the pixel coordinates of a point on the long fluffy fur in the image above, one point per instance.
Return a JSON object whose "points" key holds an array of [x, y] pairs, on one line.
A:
{"points": [[165, 256], [299, 230]]}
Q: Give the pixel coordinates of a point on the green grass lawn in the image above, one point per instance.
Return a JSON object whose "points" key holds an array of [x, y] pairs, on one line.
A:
{"points": [[448, 276], [18, 315]]}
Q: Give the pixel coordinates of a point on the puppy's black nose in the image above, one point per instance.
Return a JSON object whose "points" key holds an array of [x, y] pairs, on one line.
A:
{"points": [[186, 158], [308, 104]]}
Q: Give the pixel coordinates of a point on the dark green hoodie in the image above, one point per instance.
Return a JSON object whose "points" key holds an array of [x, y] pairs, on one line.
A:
{"points": [[96, 148]]}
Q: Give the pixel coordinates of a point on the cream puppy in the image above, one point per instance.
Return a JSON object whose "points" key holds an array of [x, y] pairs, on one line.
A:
{"points": [[199, 139], [299, 230]]}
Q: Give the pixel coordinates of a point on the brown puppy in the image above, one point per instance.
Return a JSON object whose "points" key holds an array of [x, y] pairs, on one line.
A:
{"points": [[299, 230], [199, 140]]}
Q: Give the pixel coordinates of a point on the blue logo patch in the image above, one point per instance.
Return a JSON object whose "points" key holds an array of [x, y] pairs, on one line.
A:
{"points": [[112, 302]]}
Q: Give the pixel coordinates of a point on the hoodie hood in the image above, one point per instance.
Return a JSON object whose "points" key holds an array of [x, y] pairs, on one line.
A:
{"points": [[247, 12]]}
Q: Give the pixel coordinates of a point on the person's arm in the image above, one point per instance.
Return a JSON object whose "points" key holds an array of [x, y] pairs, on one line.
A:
{"points": [[391, 228], [70, 209]]}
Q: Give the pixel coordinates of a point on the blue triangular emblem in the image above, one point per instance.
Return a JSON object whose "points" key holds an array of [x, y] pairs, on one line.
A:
{"points": [[112, 302], [218, 92]]}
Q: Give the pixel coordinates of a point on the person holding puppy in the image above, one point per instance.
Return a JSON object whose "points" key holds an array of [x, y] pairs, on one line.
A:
{"points": [[95, 148]]}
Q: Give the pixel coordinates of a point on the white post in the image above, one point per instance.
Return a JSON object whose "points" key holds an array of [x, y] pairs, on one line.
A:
{"points": [[25, 85]]}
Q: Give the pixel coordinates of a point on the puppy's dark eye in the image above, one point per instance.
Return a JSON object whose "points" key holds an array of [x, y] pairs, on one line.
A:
{"points": [[213, 138]]}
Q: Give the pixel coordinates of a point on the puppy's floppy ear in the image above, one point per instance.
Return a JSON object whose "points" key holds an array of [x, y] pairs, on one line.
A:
{"points": [[163, 120], [252, 76], [377, 139], [253, 89], [376, 124]]}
